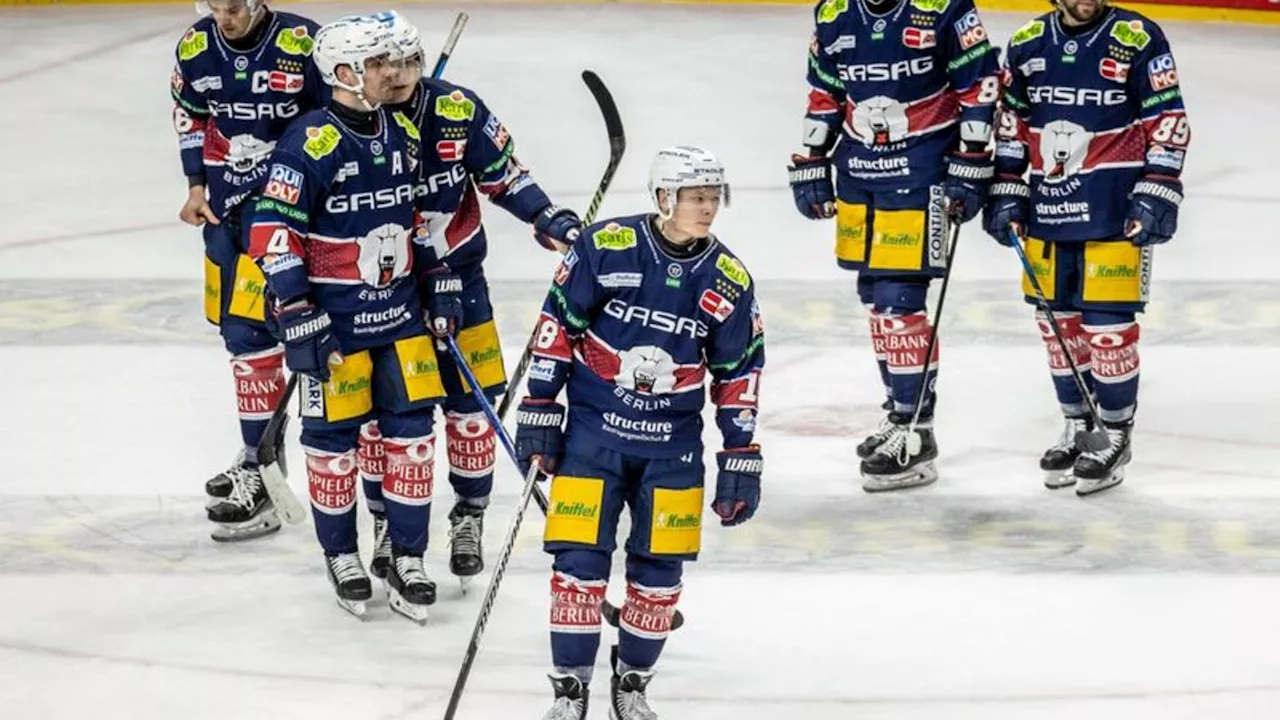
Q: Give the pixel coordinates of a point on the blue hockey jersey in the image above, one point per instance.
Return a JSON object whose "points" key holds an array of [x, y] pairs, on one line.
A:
{"points": [[334, 224], [232, 105], [1089, 115], [465, 142], [634, 333], [896, 88]]}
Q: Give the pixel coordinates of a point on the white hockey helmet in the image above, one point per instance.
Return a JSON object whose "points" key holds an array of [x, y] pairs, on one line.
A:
{"points": [[351, 41], [405, 35], [205, 7], [684, 166]]}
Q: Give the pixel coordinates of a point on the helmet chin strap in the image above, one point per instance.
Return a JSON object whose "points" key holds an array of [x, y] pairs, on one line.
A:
{"points": [[358, 91]]}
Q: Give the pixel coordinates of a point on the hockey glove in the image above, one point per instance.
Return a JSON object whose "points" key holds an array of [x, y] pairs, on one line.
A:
{"points": [[539, 434], [810, 179], [309, 342], [968, 179], [443, 289], [556, 225], [1153, 210], [738, 484], [1009, 204]]}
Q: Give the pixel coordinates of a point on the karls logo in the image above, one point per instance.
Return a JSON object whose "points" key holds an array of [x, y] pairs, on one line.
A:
{"points": [[876, 72], [1076, 97], [659, 320]]}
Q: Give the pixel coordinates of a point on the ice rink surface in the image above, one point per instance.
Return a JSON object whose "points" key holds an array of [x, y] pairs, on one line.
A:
{"points": [[984, 597]]}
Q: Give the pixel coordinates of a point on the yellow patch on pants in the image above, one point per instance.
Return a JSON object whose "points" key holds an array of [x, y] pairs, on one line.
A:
{"points": [[481, 348], [247, 300], [1116, 272], [1045, 266], [212, 292], [574, 509], [851, 232], [676, 527], [419, 368], [898, 240]]}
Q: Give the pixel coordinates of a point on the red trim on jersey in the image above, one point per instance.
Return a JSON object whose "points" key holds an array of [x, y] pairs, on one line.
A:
{"points": [[560, 348], [1126, 147], [741, 392], [260, 239], [822, 102], [334, 261]]}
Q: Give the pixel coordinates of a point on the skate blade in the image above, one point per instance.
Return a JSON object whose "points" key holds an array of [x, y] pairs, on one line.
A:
{"points": [[416, 613], [1090, 487], [358, 608], [286, 503], [464, 583], [919, 476], [1056, 480], [261, 526]]}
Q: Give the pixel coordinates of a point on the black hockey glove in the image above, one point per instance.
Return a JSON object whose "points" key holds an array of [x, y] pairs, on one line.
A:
{"points": [[539, 434], [738, 484], [1153, 210], [309, 342], [811, 186], [968, 178], [443, 290], [1009, 204], [556, 224]]}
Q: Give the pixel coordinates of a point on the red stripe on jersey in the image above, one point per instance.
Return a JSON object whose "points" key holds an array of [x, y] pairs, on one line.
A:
{"points": [[334, 262], [970, 97], [1123, 147], [552, 341], [689, 377], [216, 145], [929, 114], [264, 239], [599, 357], [737, 393], [822, 103], [466, 220]]}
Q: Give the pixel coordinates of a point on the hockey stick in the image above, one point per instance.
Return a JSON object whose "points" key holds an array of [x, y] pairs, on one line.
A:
{"points": [[617, 146], [271, 461], [913, 438], [447, 50], [1087, 441]]}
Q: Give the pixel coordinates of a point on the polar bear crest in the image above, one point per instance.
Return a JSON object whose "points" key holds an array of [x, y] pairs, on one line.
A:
{"points": [[880, 121], [646, 369], [1063, 148], [384, 255]]}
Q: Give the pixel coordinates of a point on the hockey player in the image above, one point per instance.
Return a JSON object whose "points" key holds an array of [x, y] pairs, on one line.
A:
{"points": [[242, 74], [333, 235], [901, 100], [1092, 106], [466, 147], [640, 311]]}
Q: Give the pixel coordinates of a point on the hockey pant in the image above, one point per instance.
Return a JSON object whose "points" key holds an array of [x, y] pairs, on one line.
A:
{"points": [[665, 497]]}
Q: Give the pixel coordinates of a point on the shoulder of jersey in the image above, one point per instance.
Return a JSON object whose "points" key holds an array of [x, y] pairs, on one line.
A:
{"points": [[615, 235], [727, 266], [313, 136], [196, 41], [1032, 34], [1132, 30], [450, 102], [826, 13]]}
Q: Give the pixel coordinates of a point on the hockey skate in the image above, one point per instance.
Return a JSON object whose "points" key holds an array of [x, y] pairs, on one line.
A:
{"points": [[877, 438], [409, 590], [381, 547], [466, 553], [1058, 462], [1097, 471], [904, 459], [219, 486], [349, 582], [246, 512], [571, 698], [627, 700]]}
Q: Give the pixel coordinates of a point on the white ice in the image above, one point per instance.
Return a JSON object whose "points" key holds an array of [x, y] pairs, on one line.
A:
{"points": [[985, 596]]}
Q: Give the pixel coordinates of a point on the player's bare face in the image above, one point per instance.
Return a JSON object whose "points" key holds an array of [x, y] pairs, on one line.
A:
{"points": [[233, 18], [696, 209], [1079, 12], [380, 77], [407, 79]]}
